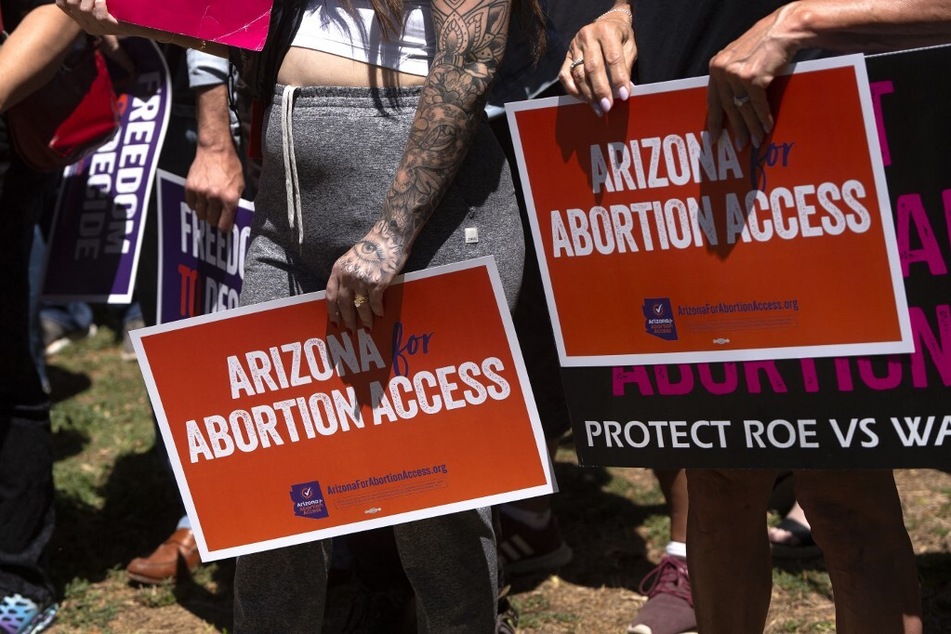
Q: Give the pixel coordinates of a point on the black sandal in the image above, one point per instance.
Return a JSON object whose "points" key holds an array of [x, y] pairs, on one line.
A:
{"points": [[804, 546]]}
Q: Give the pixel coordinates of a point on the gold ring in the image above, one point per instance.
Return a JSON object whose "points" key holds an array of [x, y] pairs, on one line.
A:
{"points": [[359, 300], [576, 63]]}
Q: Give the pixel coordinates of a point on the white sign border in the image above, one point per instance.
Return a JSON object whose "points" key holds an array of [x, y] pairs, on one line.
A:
{"points": [[212, 555], [905, 345]]}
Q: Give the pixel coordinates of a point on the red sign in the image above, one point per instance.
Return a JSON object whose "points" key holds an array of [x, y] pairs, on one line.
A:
{"points": [[282, 428], [660, 244]]}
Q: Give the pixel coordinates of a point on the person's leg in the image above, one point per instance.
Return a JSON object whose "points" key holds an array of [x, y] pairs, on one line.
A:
{"points": [[451, 563], [132, 319], [385, 595], [856, 518], [673, 483], [26, 442], [529, 536], [282, 590], [62, 323], [669, 606], [727, 549]]}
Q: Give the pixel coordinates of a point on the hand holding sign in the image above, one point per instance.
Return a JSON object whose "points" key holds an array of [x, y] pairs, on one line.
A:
{"points": [[364, 428]]}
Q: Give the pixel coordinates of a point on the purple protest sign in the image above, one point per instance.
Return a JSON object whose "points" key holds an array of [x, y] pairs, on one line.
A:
{"points": [[96, 237], [200, 268]]}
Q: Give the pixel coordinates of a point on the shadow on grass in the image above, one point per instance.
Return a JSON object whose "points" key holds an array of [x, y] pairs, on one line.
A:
{"points": [[600, 527], [212, 600], [66, 384], [142, 509]]}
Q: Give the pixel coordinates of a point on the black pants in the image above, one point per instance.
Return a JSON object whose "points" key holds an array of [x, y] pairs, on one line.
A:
{"points": [[26, 443]]}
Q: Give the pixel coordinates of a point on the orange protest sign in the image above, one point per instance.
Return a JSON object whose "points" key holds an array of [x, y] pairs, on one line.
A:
{"points": [[660, 244], [282, 428]]}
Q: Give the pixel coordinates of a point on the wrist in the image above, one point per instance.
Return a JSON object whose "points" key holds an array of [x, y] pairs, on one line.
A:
{"points": [[616, 14], [389, 231], [797, 27], [215, 144]]}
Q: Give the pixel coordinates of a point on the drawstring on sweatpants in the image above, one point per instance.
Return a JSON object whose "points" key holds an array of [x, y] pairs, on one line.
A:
{"points": [[295, 216]]}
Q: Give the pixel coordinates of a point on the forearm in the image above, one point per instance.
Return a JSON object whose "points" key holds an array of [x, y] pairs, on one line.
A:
{"points": [[862, 25], [215, 179], [448, 114], [214, 118], [32, 54]]}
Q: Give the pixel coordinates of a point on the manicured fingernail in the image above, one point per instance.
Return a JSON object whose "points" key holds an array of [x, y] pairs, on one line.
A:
{"points": [[768, 127], [605, 104], [597, 110], [622, 93], [756, 140], [740, 144]]}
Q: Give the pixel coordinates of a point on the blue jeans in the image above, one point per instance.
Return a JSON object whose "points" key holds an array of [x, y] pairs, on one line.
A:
{"points": [[73, 316]]}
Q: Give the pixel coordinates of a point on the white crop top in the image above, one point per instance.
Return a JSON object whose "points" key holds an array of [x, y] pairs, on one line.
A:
{"points": [[330, 28]]}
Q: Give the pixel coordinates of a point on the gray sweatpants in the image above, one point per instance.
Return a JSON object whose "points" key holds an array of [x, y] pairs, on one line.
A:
{"points": [[348, 143]]}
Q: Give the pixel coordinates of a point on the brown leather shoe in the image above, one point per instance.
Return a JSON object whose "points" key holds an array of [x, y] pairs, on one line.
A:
{"points": [[177, 557]]}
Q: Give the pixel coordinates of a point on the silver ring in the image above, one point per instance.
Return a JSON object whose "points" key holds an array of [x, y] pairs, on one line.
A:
{"points": [[740, 101], [576, 63]]}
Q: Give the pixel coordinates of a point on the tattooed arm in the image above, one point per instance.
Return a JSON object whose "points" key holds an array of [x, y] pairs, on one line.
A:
{"points": [[470, 40]]}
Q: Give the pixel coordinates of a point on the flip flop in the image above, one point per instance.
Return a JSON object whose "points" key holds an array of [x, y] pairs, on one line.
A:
{"points": [[805, 547]]}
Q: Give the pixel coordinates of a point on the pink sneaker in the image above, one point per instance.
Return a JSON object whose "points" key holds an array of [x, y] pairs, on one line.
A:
{"points": [[669, 607]]}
